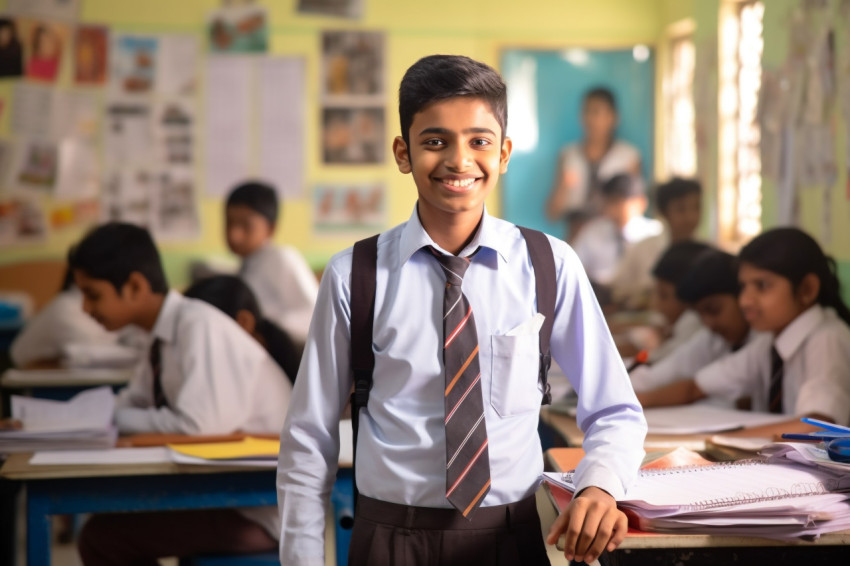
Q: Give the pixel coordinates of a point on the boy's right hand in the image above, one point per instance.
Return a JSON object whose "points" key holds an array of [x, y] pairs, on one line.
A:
{"points": [[592, 524]]}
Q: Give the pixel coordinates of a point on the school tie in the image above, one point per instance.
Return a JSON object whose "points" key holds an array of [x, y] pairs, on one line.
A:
{"points": [[776, 374], [467, 456], [159, 399]]}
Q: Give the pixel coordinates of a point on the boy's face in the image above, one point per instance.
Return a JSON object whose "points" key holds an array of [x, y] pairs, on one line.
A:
{"points": [[623, 209], [683, 216], [664, 300], [456, 155], [246, 229], [103, 303], [599, 119], [722, 315]]}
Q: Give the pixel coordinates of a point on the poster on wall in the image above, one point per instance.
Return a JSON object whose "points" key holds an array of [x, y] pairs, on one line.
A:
{"points": [[227, 122], [127, 133], [343, 210], [11, 49], [78, 177], [238, 29], [353, 136], [352, 67], [127, 196], [341, 8], [176, 212], [35, 165], [91, 55], [281, 123], [133, 69], [21, 221], [44, 42], [174, 132], [177, 67]]}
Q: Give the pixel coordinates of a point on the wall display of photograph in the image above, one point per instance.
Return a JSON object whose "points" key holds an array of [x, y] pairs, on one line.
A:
{"points": [[353, 135], [91, 55], [127, 133], [133, 69], [11, 49], [36, 165], [353, 67], [44, 42], [238, 29], [174, 132], [349, 209], [21, 221]]}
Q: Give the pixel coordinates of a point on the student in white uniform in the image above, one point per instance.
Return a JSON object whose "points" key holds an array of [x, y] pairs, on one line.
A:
{"points": [[584, 166], [278, 275], [60, 323], [679, 203], [710, 288], [602, 242], [205, 376], [789, 289]]}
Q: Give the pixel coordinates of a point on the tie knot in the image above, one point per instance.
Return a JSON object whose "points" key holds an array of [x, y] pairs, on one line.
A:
{"points": [[454, 267]]}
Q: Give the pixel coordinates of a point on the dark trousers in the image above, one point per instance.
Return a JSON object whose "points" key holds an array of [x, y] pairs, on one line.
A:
{"points": [[389, 534], [139, 539]]}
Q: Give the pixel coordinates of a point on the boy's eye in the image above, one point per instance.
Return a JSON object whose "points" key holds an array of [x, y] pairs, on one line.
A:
{"points": [[481, 142], [434, 142]]}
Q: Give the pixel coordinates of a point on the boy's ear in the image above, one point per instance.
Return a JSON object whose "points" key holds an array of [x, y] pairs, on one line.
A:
{"points": [[402, 155], [246, 320], [505, 155], [136, 286], [809, 289]]}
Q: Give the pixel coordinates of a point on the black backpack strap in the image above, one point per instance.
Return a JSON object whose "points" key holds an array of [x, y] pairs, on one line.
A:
{"points": [[364, 264], [543, 263]]}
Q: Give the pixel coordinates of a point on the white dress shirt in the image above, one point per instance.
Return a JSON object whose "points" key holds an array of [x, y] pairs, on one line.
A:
{"points": [[683, 330], [600, 247], [285, 287], [401, 452], [621, 157], [216, 379], [815, 350], [633, 281], [61, 322]]}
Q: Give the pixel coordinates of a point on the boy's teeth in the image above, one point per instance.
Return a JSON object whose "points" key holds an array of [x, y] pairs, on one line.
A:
{"points": [[459, 183]]}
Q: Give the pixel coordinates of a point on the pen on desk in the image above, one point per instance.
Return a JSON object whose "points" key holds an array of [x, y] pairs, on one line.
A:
{"points": [[826, 426], [640, 359]]}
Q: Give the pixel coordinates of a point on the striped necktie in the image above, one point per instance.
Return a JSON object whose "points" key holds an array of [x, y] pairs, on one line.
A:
{"points": [[776, 374], [467, 456], [155, 358]]}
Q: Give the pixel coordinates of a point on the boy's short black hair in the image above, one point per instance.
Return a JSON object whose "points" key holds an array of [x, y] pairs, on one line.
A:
{"points": [[259, 197], [674, 189], [604, 94], [622, 186], [114, 250], [439, 77], [714, 272], [677, 260]]}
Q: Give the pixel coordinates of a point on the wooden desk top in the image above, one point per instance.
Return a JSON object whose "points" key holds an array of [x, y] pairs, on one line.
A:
{"points": [[64, 377], [568, 428]]}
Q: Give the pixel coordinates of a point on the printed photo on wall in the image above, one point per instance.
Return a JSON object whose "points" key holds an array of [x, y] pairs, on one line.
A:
{"points": [[11, 49], [21, 221], [43, 45], [340, 210], [353, 66], [353, 135], [238, 29], [91, 54], [174, 126], [37, 165], [342, 8], [134, 64], [176, 209]]}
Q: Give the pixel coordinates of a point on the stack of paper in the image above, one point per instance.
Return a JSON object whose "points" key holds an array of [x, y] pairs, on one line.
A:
{"points": [[85, 421], [804, 453], [748, 498], [250, 451]]}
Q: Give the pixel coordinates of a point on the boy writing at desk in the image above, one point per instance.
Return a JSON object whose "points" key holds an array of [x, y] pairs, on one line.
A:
{"points": [[448, 453]]}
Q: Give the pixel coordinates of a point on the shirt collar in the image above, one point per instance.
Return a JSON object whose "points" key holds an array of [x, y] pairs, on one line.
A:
{"points": [[790, 339], [414, 238], [165, 327]]}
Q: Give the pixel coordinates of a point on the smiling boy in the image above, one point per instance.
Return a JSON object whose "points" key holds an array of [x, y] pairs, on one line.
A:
{"points": [[448, 457]]}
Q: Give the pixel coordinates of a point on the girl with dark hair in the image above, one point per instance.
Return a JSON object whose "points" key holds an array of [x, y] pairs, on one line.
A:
{"points": [[801, 365], [234, 298]]}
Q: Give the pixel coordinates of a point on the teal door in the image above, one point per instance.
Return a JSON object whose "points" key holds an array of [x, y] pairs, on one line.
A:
{"points": [[545, 90]]}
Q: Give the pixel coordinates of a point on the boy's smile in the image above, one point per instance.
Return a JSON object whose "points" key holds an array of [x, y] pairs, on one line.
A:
{"points": [[456, 154]]}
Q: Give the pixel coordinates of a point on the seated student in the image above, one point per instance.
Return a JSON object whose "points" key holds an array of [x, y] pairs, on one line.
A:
{"points": [[60, 323], [278, 275], [789, 289], [710, 288], [602, 241], [679, 202], [233, 297], [681, 322], [205, 376], [448, 456]]}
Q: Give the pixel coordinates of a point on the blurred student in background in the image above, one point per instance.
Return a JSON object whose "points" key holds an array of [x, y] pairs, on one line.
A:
{"points": [[278, 275]]}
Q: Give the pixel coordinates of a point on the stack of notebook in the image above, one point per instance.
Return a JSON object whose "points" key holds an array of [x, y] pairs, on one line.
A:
{"points": [[750, 498]]}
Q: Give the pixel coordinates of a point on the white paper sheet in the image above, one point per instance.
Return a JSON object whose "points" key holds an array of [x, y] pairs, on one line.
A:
{"points": [[281, 123], [90, 409], [701, 418], [177, 67], [151, 455]]}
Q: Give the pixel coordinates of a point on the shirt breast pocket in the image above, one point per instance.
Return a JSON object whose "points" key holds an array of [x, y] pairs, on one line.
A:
{"points": [[513, 382]]}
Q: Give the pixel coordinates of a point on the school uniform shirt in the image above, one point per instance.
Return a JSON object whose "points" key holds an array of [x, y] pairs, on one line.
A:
{"points": [[285, 287], [216, 380], [401, 452], [633, 282], [704, 348], [621, 157], [683, 329], [61, 322], [600, 244], [815, 350]]}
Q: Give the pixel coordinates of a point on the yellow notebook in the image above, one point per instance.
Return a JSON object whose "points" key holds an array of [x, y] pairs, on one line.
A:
{"points": [[247, 448]]}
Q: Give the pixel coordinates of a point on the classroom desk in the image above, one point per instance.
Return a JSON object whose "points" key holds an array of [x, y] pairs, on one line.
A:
{"points": [[52, 490], [692, 549]]}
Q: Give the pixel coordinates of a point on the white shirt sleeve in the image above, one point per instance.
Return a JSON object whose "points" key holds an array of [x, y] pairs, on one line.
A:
{"points": [[826, 388], [683, 363], [310, 437], [736, 375], [608, 411]]}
